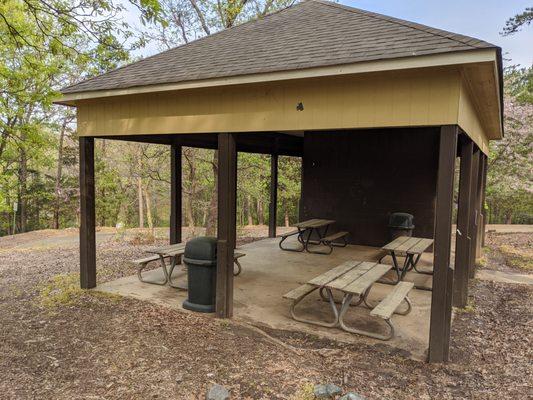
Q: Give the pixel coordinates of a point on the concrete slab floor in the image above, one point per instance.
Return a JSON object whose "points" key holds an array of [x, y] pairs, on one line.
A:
{"points": [[269, 272]]}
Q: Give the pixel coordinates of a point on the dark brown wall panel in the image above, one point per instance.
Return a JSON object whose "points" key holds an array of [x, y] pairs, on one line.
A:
{"points": [[359, 177]]}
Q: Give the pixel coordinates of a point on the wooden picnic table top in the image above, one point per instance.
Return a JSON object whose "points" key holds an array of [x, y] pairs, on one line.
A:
{"points": [[170, 250], [314, 223], [179, 248], [353, 277], [409, 245]]}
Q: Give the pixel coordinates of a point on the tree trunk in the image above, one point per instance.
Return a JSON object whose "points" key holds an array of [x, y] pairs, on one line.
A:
{"points": [[211, 223], [59, 172], [188, 212], [189, 200], [140, 201], [287, 223], [23, 181], [248, 207], [148, 199], [260, 216], [509, 217]]}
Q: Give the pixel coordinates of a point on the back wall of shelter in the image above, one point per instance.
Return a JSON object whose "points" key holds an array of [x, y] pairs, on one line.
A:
{"points": [[359, 177]]}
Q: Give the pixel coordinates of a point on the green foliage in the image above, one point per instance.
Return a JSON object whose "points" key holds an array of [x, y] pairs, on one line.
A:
{"points": [[517, 258], [516, 23], [58, 22], [45, 45], [519, 84], [305, 392], [290, 174], [64, 290], [509, 196]]}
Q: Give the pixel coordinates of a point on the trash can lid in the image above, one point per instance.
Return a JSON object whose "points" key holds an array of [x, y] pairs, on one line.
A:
{"points": [[401, 220], [201, 248]]}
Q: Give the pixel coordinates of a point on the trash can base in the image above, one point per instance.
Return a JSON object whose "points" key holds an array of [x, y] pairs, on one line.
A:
{"points": [[203, 308]]}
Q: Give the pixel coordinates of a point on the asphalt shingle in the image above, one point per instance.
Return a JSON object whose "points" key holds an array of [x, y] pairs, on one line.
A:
{"points": [[313, 33]]}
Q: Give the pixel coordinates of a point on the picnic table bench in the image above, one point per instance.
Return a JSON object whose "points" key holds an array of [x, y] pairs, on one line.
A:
{"points": [[317, 228], [409, 247], [354, 279], [174, 252]]}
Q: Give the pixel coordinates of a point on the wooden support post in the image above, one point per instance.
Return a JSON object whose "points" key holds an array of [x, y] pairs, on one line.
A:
{"points": [[273, 209], [175, 194], [462, 242], [483, 209], [441, 298], [87, 215], [474, 216], [227, 184], [480, 200]]}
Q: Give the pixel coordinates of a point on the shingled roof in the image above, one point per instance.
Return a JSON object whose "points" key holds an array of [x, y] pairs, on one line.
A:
{"points": [[313, 33]]}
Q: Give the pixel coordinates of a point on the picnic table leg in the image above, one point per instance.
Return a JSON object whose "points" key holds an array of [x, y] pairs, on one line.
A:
{"points": [[396, 267], [300, 239], [239, 267], [331, 300], [308, 239], [326, 298], [173, 264], [330, 245], [417, 270], [163, 265], [406, 265], [344, 308]]}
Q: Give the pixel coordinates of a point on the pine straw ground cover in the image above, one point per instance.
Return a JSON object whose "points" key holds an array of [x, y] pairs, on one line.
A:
{"points": [[58, 342]]}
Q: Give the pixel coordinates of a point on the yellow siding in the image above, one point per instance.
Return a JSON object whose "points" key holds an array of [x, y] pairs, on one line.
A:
{"points": [[391, 99], [469, 120]]}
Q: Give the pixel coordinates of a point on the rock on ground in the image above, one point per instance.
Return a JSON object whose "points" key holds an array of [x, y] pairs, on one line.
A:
{"points": [[326, 391], [217, 392]]}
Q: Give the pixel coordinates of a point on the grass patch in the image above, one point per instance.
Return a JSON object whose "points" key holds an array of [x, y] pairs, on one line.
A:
{"points": [[305, 392], [64, 290], [516, 258], [481, 262]]}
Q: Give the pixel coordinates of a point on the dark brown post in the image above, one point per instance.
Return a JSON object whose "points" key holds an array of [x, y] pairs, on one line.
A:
{"points": [[272, 214], [484, 189], [441, 299], [175, 194], [462, 241], [87, 215], [227, 184], [474, 207], [480, 200]]}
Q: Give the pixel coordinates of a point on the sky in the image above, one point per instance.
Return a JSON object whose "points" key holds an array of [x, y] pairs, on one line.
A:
{"points": [[482, 19]]}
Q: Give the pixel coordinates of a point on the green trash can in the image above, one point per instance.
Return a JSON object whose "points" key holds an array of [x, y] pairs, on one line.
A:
{"points": [[200, 257], [400, 224]]}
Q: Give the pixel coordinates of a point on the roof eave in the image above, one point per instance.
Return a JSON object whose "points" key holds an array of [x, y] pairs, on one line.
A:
{"points": [[424, 61]]}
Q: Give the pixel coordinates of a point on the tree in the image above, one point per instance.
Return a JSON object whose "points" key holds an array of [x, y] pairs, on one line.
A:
{"points": [[510, 173], [181, 21], [514, 24], [184, 20], [34, 134], [97, 21]]}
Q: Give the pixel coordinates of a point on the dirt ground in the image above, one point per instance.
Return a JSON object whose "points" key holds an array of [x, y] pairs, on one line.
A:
{"points": [[59, 342]]}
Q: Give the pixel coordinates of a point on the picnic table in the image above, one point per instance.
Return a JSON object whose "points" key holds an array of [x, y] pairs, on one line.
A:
{"points": [[174, 252], [354, 279], [314, 232], [410, 247]]}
